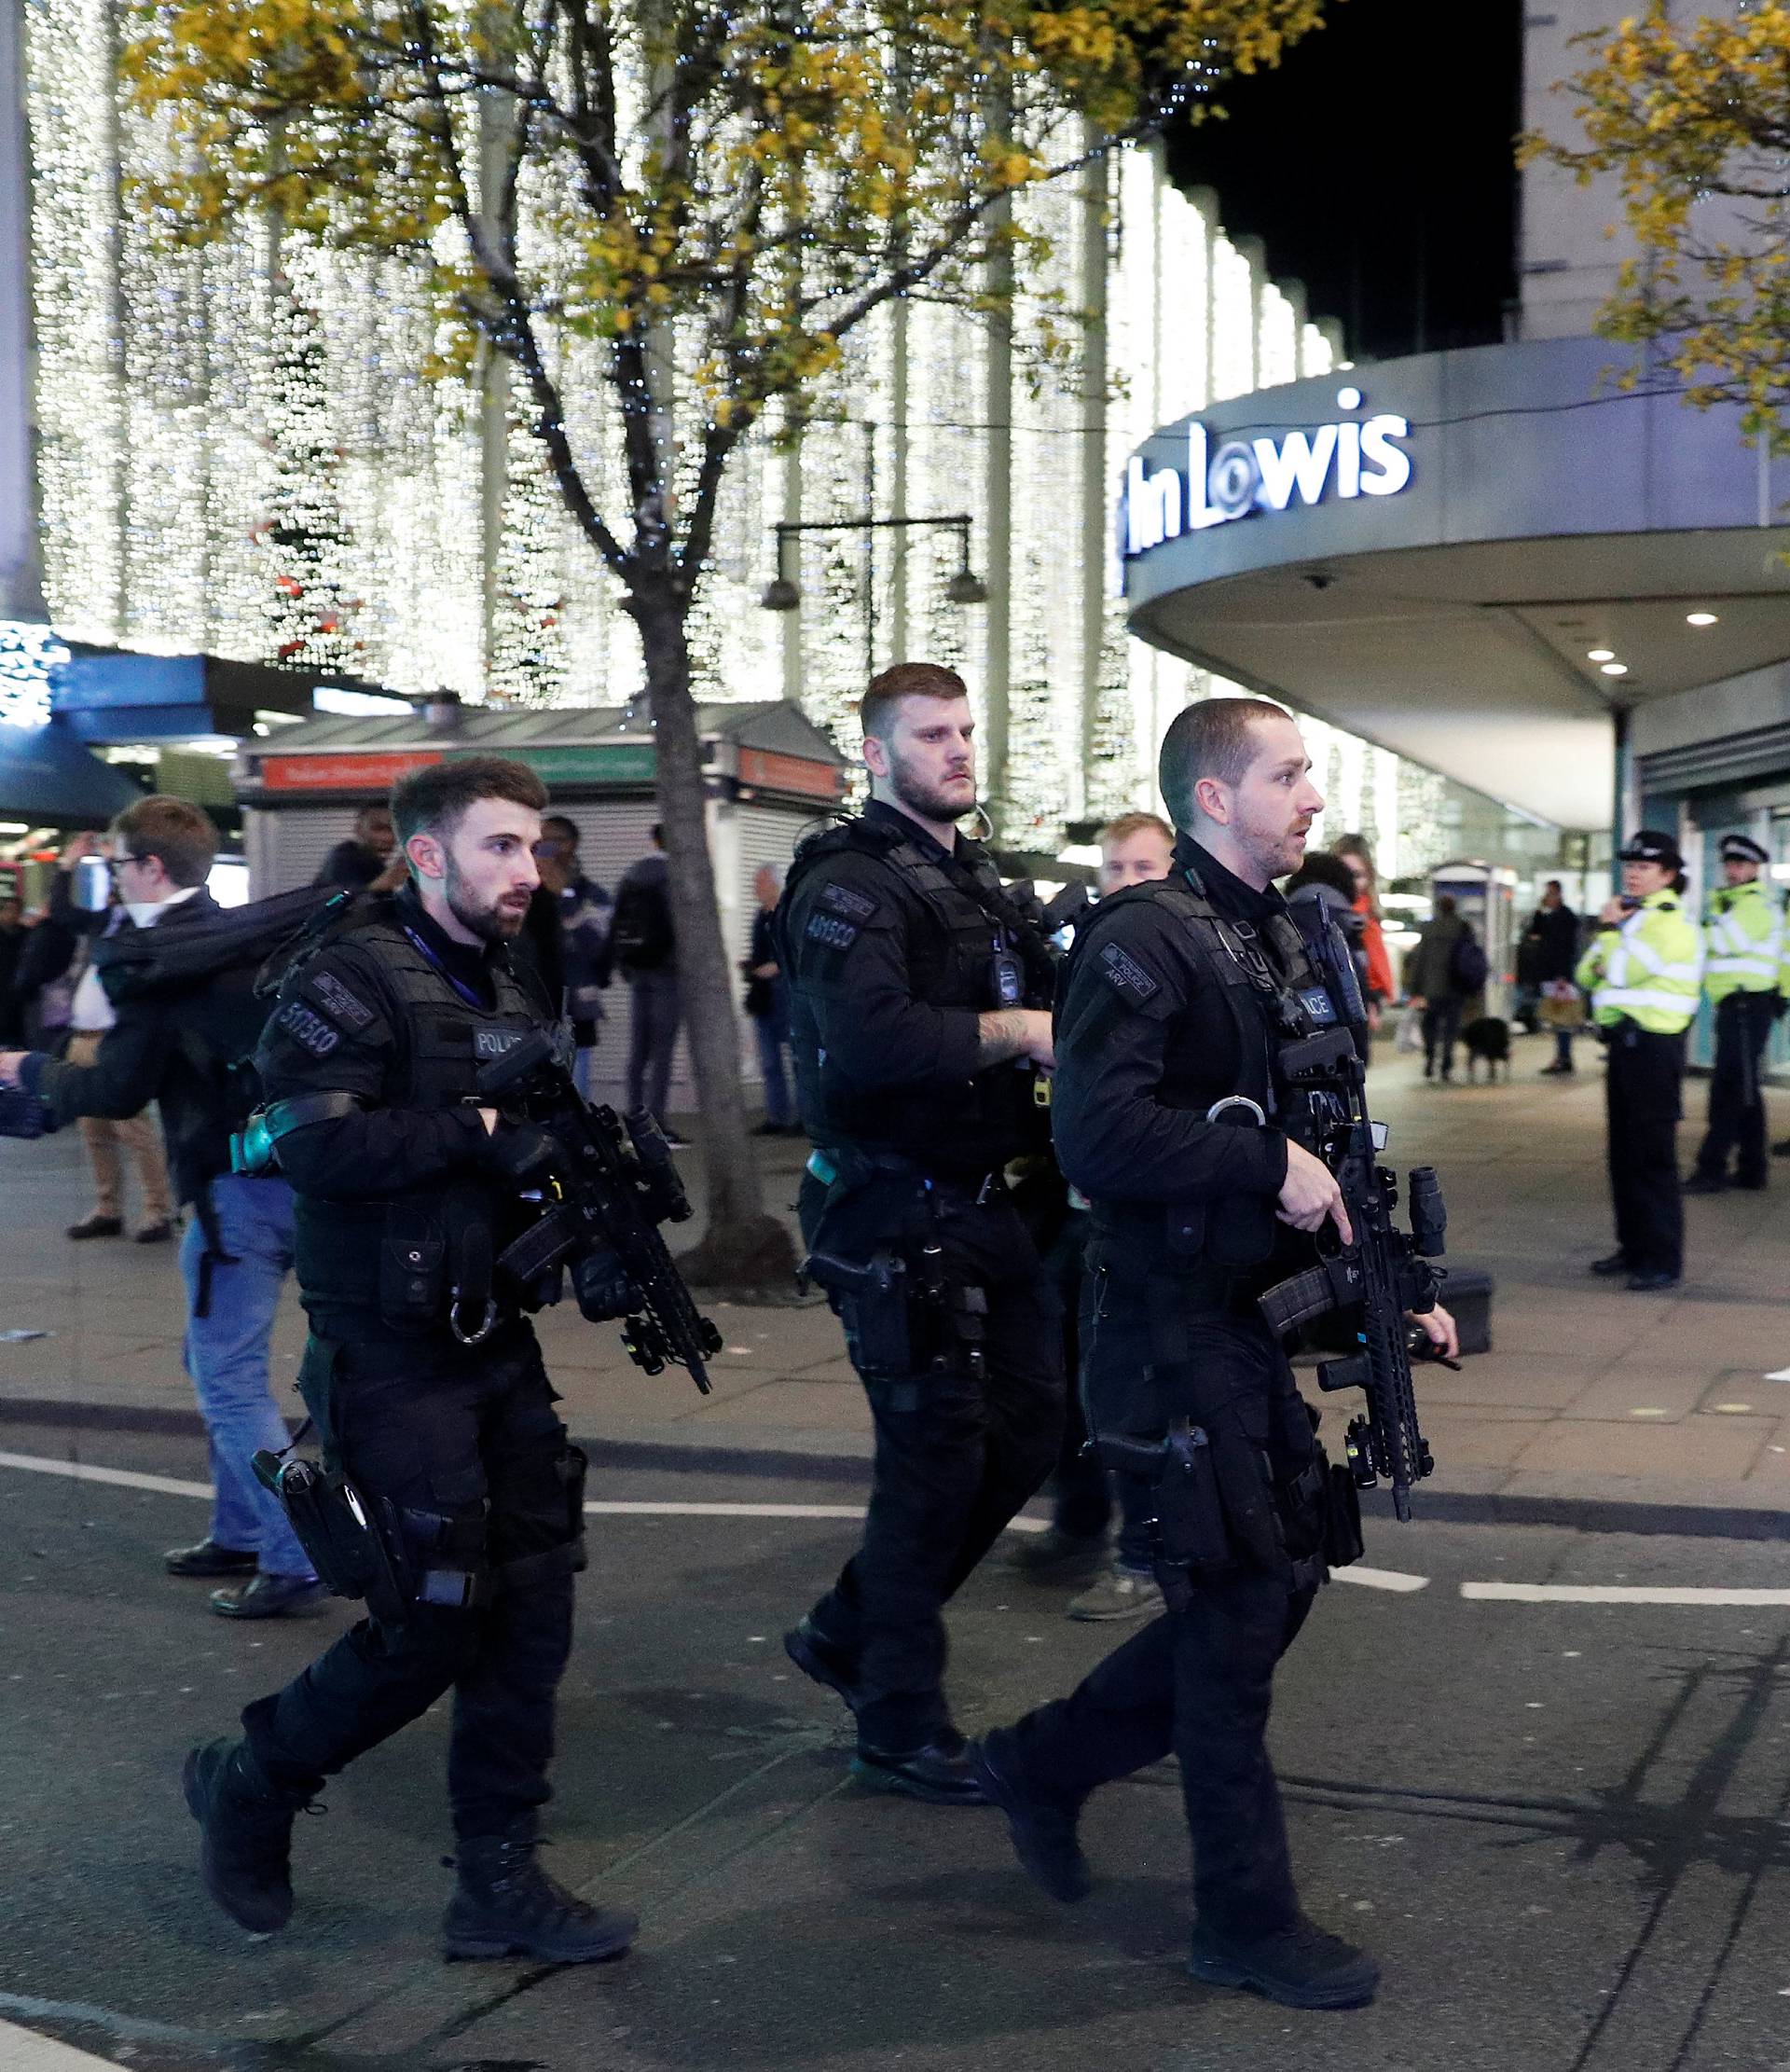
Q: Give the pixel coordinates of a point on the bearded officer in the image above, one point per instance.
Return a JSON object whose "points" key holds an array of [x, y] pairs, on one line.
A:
{"points": [[1174, 1003], [1743, 946], [1644, 971], [918, 1016], [426, 1386]]}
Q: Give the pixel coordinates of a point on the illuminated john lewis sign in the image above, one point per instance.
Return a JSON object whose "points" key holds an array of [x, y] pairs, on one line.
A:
{"points": [[1214, 486]]}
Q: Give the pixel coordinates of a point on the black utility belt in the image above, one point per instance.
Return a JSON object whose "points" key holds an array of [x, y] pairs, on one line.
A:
{"points": [[851, 1168]]}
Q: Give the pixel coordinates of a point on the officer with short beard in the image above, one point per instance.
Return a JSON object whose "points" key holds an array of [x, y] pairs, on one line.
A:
{"points": [[425, 1383], [919, 1024]]}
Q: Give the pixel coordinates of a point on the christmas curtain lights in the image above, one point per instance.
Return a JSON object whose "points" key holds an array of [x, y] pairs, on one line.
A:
{"points": [[244, 452]]}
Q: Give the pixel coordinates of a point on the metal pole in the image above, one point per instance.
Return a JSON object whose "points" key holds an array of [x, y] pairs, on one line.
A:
{"points": [[1625, 812]]}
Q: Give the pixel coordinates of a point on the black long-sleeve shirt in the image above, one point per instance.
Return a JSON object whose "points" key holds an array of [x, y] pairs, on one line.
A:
{"points": [[170, 1048], [379, 1149], [1146, 1043]]}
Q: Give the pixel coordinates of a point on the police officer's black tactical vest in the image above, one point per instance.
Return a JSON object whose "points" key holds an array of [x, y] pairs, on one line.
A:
{"points": [[989, 1119], [399, 1253], [1265, 985]]}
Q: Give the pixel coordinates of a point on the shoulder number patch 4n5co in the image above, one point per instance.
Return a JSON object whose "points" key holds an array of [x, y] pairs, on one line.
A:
{"points": [[1125, 975], [307, 1029], [343, 1006], [847, 900]]}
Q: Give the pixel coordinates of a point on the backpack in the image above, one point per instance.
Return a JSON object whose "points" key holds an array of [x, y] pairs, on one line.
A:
{"points": [[640, 937], [1467, 969]]}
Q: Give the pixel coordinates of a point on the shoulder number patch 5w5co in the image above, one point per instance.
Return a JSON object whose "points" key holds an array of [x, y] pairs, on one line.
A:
{"points": [[307, 1029], [1125, 975], [829, 929]]}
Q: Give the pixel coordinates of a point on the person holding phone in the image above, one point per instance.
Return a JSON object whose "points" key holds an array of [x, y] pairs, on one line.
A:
{"points": [[1645, 973]]}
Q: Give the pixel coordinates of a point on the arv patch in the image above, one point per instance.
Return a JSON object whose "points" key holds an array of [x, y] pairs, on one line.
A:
{"points": [[307, 1029], [338, 1002], [1125, 975], [847, 900]]}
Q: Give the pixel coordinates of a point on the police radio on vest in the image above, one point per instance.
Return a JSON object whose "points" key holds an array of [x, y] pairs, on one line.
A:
{"points": [[1349, 458]]}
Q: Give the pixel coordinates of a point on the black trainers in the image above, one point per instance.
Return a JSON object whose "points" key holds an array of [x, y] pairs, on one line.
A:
{"points": [[1042, 1830], [1706, 1183], [822, 1660], [1618, 1262], [505, 1905], [209, 1559], [245, 1833], [1054, 1555], [941, 1771], [268, 1596], [1300, 1966]]}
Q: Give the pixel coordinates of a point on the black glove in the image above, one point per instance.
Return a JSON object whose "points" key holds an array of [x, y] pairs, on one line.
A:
{"points": [[22, 1114], [521, 1153]]}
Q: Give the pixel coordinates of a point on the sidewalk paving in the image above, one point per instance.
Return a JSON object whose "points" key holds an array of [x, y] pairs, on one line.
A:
{"points": [[1606, 1403]]}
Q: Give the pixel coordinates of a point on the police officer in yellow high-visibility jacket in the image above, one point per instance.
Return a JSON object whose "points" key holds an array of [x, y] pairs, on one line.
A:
{"points": [[1644, 972], [1744, 938]]}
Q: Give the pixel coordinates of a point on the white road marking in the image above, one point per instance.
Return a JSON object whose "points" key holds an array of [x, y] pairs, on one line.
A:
{"points": [[26, 2050], [1369, 1578], [1380, 1579], [123, 1478], [1618, 1594]]}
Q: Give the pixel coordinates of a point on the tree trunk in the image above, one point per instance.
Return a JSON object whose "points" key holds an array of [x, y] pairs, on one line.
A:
{"points": [[743, 1248]]}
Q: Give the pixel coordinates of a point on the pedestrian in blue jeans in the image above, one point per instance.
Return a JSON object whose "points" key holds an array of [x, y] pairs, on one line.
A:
{"points": [[231, 1299], [180, 976], [767, 1002]]}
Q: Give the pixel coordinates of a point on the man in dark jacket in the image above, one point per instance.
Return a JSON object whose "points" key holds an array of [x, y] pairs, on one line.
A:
{"points": [[1546, 955], [13, 937], [646, 951], [179, 1048], [1430, 981], [364, 856]]}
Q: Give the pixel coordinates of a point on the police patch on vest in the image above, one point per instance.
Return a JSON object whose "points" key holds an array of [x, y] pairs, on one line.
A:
{"points": [[345, 1007], [831, 929], [1318, 1005], [855, 905], [494, 1043], [1124, 975], [307, 1029]]}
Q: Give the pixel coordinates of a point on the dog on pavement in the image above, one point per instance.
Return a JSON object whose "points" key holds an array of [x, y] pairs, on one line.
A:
{"points": [[1487, 1037]]}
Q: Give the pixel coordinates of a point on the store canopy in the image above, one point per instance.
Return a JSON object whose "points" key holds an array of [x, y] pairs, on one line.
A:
{"points": [[1474, 558], [48, 780]]}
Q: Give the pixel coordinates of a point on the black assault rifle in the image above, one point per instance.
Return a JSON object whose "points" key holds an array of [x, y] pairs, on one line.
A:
{"points": [[612, 1185], [1372, 1281]]}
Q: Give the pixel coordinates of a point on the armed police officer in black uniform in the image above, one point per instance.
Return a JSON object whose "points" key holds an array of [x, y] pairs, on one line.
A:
{"points": [[919, 1024], [1169, 1114], [426, 1386]]}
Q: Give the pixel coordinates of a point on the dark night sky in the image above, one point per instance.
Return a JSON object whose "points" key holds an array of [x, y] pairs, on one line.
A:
{"points": [[1376, 165]]}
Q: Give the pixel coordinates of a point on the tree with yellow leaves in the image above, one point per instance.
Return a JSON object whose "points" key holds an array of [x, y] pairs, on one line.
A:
{"points": [[1692, 120], [715, 193]]}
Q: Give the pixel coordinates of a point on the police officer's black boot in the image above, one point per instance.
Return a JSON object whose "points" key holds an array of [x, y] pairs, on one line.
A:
{"points": [[245, 1827], [507, 1905], [1042, 1830], [1300, 1966]]}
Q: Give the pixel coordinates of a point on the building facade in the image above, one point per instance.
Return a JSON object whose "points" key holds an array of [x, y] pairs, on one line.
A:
{"points": [[240, 455]]}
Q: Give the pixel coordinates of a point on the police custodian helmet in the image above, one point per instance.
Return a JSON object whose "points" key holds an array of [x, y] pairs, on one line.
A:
{"points": [[1651, 847]]}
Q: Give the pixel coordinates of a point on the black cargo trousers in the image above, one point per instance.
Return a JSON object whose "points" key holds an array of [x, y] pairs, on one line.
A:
{"points": [[1736, 1089], [466, 1444], [1197, 1681], [956, 1455], [1643, 1099]]}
